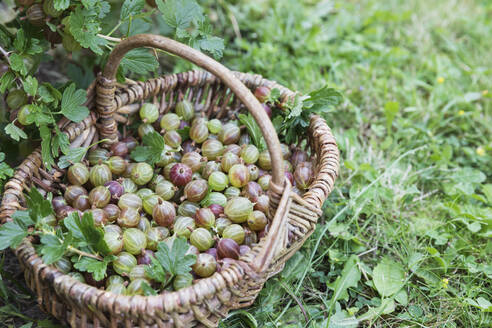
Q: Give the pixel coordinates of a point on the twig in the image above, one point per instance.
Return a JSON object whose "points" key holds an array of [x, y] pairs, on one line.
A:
{"points": [[82, 253], [109, 38], [5, 54]]}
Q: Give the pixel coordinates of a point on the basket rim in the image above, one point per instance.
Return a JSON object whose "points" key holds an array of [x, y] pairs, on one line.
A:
{"points": [[229, 276]]}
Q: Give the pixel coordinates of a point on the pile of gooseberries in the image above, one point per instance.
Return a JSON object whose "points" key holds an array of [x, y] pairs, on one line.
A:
{"points": [[209, 186]]}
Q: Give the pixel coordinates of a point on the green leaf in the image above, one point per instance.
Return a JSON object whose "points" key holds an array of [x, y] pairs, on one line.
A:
{"points": [[253, 130], [30, 85], [61, 4], [184, 133], [173, 262], [211, 44], [71, 105], [481, 303], [388, 277], [59, 142], [45, 133], [148, 291], [464, 180], [323, 99], [96, 267], [52, 248], [341, 319], [17, 63], [387, 306], [349, 277], [84, 26], [131, 8], [5, 170], [20, 41], [180, 13], [139, 61], [151, 152], [73, 155], [14, 132], [487, 191], [86, 232], [6, 81], [45, 94], [38, 205], [391, 108], [11, 235]]}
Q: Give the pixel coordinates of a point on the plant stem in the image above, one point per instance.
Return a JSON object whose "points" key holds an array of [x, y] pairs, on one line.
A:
{"points": [[115, 28], [82, 253], [109, 38], [5, 54]]}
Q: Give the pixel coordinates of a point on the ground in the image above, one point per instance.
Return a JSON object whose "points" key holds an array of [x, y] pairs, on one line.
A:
{"points": [[405, 236]]}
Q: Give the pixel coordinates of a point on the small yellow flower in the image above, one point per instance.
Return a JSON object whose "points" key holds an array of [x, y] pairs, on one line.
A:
{"points": [[480, 151], [440, 79], [445, 282], [485, 92], [461, 112]]}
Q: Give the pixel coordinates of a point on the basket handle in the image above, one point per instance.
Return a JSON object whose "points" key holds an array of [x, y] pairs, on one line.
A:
{"points": [[106, 85]]}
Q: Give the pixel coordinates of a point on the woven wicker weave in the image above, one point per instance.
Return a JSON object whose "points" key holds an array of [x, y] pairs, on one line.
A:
{"points": [[218, 93]]}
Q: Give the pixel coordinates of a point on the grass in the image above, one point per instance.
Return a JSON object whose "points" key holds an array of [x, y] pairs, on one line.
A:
{"points": [[405, 237]]}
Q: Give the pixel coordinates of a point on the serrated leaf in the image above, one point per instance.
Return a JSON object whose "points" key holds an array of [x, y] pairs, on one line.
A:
{"points": [[45, 133], [74, 155], [30, 85], [17, 63], [151, 152], [131, 8], [11, 235], [211, 44], [71, 105], [14, 132], [180, 13], [20, 41], [59, 142], [84, 27], [139, 61], [61, 4], [96, 267], [45, 94], [388, 277], [38, 205], [169, 263], [6, 81], [86, 233], [52, 248]]}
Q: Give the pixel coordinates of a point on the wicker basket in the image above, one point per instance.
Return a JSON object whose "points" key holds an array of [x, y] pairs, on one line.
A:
{"points": [[219, 93]]}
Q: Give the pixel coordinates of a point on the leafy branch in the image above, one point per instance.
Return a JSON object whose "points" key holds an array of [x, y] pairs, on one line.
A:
{"points": [[293, 120], [78, 236]]}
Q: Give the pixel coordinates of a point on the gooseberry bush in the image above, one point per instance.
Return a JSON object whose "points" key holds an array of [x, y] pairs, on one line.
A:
{"points": [[81, 34]]}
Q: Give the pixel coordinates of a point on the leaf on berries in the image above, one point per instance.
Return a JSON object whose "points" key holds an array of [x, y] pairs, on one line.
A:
{"points": [[253, 130], [86, 233], [73, 155], [97, 268]]}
